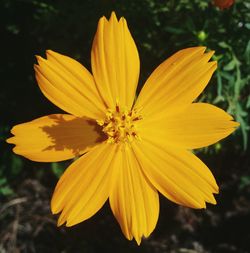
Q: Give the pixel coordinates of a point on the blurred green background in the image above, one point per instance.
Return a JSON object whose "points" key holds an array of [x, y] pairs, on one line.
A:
{"points": [[160, 28]]}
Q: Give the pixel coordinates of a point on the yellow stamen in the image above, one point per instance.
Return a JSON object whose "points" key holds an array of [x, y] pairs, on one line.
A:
{"points": [[120, 125]]}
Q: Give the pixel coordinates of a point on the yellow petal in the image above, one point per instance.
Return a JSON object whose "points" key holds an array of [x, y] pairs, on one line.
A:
{"points": [[176, 82], [84, 187], [196, 126], [133, 200], [70, 86], [178, 174], [115, 62], [55, 137]]}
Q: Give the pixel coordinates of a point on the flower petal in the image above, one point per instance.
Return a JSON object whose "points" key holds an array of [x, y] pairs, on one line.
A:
{"points": [[133, 200], [70, 86], [56, 137], [196, 126], [85, 185], [177, 81], [178, 174], [115, 62]]}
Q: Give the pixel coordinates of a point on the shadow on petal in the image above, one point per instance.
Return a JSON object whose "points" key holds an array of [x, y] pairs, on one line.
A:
{"points": [[77, 135]]}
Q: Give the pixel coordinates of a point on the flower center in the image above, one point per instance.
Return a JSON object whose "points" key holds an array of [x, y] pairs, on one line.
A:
{"points": [[120, 125]]}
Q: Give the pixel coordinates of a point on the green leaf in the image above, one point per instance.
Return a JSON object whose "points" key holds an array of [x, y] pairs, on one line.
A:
{"points": [[6, 191], [57, 169], [230, 66], [244, 182], [223, 44]]}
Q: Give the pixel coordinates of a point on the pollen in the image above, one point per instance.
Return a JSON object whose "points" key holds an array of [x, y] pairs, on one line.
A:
{"points": [[120, 125]]}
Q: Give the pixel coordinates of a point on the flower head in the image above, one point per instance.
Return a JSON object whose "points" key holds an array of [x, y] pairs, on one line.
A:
{"points": [[131, 149], [223, 4]]}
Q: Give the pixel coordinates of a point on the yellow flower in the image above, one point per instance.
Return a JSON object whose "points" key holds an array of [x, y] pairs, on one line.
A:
{"points": [[132, 149]]}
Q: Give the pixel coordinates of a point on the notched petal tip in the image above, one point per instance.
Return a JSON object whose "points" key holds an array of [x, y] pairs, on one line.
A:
{"points": [[66, 220], [15, 150], [198, 205], [202, 204], [138, 241], [59, 224], [52, 55], [70, 223], [103, 20], [39, 58], [35, 66], [137, 238], [123, 20], [199, 49], [61, 220], [212, 200], [236, 124], [212, 66], [10, 140], [53, 207], [113, 17], [209, 54], [216, 188], [213, 63], [50, 52]]}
